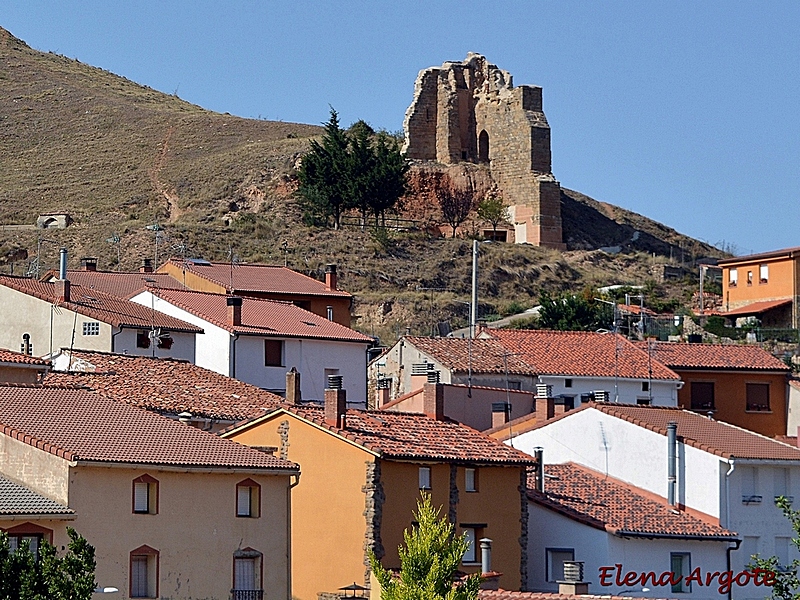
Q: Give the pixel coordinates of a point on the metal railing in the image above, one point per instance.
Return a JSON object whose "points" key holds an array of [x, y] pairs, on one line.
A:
{"points": [[247, 594]]}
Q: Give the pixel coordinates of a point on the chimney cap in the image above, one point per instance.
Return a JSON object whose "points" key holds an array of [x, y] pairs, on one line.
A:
{"points": [[233, 300], [330, 268]]}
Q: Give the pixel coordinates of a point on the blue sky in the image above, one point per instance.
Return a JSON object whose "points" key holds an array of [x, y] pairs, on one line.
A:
{"points": [[686, 112]]}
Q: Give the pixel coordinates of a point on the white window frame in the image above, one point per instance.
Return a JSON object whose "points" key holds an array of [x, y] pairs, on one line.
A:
{"points": [[470, 479], [763, 273], [90, 328], [471, 554], [733, 280], [425, 478], [248, 499]]}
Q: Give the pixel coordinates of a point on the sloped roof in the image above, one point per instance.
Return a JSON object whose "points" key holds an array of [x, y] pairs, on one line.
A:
{"points": [[17, 500], [165, 385], [261, 317], [256, 278], [762, 255], [401, 435], [756, 308], [120, 284], [80, 425], [621, 509], [17, 358], [99, 305], [739, 357], [485, 356], [581, 354]]}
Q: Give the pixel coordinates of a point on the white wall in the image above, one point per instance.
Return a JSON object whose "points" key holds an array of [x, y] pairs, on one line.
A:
{"points": [[183, 346], [664, 393]]}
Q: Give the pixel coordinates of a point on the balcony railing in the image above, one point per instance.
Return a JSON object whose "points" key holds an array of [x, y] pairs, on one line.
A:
{"points": [[247, 594]]}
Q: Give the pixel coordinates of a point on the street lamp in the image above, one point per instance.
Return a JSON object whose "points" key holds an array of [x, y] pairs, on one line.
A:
{"points": [[106, 590]]}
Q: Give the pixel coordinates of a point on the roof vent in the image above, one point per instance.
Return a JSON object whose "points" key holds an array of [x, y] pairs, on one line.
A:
{"points": [[433, 376], [421, 368], [573, 570], [334, 382], [544, 390], [600, 396]]}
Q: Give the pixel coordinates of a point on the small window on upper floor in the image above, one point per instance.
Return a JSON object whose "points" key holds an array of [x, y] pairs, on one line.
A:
{"points": [[273, 353], [145, 495], [142, 339], [645, 386], [248, 499], [757, 397], [91, 328], [681, 564], [470, 479], [424, 478], [749, 278], [515, 385], [734, 278], [471, 555], [763, 273], [568, 383]]}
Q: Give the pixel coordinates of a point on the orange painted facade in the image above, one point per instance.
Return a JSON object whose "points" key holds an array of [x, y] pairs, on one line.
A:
{"points": [[335, 514], [730, 398]]}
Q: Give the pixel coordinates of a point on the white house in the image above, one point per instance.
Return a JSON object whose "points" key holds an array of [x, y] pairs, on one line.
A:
{"points": [[257, 341], [42, 317], [721, 471], [582, 515]]}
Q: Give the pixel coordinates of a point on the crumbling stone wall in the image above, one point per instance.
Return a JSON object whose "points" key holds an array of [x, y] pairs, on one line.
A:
{"points": [[471, 111]]}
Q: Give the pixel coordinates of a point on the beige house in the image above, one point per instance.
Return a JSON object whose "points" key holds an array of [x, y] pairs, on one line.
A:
{"points": [[172, 511], [16, 367]]}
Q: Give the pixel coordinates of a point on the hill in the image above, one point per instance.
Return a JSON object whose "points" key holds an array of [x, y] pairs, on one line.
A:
{"points": [[120, 157]]}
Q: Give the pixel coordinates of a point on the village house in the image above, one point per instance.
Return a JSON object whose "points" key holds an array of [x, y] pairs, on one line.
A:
{"points": [[257, 341], [19, 367], [45, 316], [699, 465], [121, 477], [363, 472], [174, 388], [741, 384]]}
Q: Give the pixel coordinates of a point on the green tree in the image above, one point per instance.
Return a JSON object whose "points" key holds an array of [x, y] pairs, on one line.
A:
{"points": [[573, 313], [786, 582], [428, 562], [492, 209], [50, 577], [389, 181]]}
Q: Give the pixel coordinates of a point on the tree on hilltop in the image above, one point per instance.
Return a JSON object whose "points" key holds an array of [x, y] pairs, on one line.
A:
{"points": [[455, 202], [492, 209]]}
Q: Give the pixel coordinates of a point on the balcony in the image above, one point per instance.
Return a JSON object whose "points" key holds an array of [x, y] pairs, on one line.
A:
{"points": [[247, 594]]}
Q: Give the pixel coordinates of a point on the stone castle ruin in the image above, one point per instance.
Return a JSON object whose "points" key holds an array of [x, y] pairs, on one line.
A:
{"points": [[470, 111]]}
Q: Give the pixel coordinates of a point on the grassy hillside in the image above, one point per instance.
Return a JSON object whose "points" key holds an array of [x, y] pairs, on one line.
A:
{"points": [[119, 157]]}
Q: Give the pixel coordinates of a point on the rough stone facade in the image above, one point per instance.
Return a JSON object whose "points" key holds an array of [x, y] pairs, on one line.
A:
{"points": [[470, 111], [373, 514]]}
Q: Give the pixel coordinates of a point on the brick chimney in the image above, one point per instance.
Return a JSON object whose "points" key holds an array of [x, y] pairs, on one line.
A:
{"points": [[62, 290], [147, 266], [335, 402], [234, 310], [89, 263], [433, 400], [501, 413], [293, 387], [545, 408], [383, 393], [330, 277]]}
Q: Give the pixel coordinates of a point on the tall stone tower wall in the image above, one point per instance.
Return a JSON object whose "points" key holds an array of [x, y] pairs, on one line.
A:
{"points": [[470, 111]]}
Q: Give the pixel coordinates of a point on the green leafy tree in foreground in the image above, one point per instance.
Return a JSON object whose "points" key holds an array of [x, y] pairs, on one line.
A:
{"points": [[51, 577], [492, 209], [573, 313], [428, 562], [786, 581]]}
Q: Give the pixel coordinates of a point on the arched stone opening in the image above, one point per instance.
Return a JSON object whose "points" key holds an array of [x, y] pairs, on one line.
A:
{"points": [[483, 146]]}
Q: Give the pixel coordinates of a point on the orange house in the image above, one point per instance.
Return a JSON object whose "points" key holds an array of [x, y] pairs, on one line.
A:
{"points": [[763, 285], [743, 385], [362, 474]]}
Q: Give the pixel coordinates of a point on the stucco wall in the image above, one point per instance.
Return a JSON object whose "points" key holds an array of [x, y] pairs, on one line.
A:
{"points": [[11, 374], [664, 393], [780, 283], [40, 471]]}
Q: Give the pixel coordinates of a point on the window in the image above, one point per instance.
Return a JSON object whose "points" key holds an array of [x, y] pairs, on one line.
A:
{"points": [[248, 499], [515, 385], [91, 328], [273, 353], [749, 548], [781, 482], [424, 478], [782, 552], [145, 495], [757, 397], [471, 555], [142, 339], [246, 575], [30, 535], [568, 383], [555, 562], [144, 573], [645, 386], [643, 401], [470, 480], [750, 491], [749, 278], [681, 564], [734, 278], [165, 340], [763, 273], [702, 395]]}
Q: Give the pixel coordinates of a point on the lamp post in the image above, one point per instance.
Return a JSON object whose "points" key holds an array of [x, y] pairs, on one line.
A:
{"points": [[106, 590], [473, 311]]}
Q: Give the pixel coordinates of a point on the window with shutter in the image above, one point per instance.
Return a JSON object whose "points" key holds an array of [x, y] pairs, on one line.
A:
{"points": [[247, 575], [758, 397], [424, 478], [144, 572], [248, 498], [145, 495], [702, 395]]}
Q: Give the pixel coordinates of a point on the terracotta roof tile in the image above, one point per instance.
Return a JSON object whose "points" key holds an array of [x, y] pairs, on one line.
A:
{"points": [[581, 353], [714, 356], [7, 356], [487, 356], [604, 503], [261, 317], [99, 305], [165, 385], [257, 278], [120, 284], [755, 308], [80, 425], [753, 257]]}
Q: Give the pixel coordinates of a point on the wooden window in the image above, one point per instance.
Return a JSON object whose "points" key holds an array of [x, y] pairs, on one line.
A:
{"points": [[757, 397], [145, 495], [273, 353], [424, 478], [471, 479], [702, 395], [144, 572], [248, 499]]}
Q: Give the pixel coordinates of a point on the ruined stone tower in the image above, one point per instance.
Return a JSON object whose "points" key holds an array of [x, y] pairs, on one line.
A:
{"points": [[471, 111]]}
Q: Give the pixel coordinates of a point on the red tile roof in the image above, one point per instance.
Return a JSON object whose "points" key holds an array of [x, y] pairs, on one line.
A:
{"points": [[165, 385], [261, 317], [581, 354], [756, 308], [607, 504], [487, 356], [256, 278], [402, 435], [740, 357], [99, 305], [509, 595], [17, 358], [754, 257], [120, 284], [80, 425]]}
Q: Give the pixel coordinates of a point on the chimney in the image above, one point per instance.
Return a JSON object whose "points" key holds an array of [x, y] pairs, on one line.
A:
{"points": [[573, 583], [433, 400], [147, 266], [545, 408], [672, 455], [330, 277], [335, 402], [384, 391], [62, 290], [234, 310], [501, 413], [89, 263], [538, 453], [293, 395], [62, 264], [490, 580]]}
